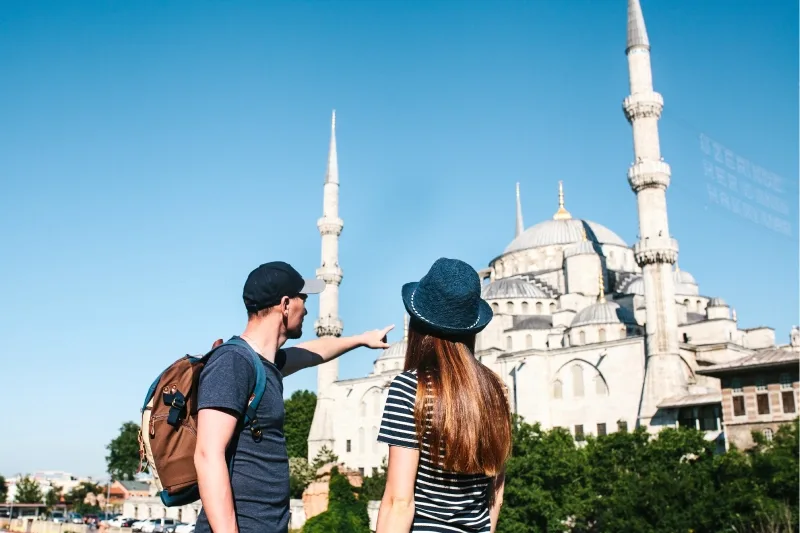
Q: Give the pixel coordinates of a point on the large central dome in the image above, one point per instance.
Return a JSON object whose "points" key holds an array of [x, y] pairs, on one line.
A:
{"points": [[563, 231]]}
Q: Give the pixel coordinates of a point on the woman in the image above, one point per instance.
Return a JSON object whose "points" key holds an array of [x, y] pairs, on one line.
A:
{"points": [[447, 420]]}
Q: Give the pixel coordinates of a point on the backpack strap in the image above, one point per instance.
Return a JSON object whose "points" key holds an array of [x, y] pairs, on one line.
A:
{"points": [[250, 415]]}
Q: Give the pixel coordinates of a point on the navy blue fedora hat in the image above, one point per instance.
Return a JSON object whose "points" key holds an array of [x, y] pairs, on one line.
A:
{"points": [[448, 299]]}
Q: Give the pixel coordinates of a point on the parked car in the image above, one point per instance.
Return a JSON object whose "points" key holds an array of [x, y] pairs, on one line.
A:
{"points": [[184, 528], [58, 517], [156, 525], [75, 518]]}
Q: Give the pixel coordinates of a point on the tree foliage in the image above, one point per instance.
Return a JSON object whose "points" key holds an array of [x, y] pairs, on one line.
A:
{"points": [[84, 497], [297, 422], [300, 475], [324, 456], [672, 481], [373, 486], [28, 491], [123, 452], [345, 514], [3, 490]]}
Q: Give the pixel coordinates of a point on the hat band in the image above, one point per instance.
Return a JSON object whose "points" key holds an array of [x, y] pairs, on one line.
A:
{"points": [[416, 311]]}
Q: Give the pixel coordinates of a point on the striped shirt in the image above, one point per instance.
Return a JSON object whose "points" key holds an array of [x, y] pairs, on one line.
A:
{"points": [[444, 501]]}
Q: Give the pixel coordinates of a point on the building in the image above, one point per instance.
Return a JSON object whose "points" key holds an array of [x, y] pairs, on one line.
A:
{"points": [[759, 392], [590, 333]]}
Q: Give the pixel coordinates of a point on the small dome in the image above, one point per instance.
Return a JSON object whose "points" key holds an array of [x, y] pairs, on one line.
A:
{"points": [[717, 302], [681, 276], [581, 248], [603, 313], [396, 350], [636, 286], [685, 283], [512, 288], [563, 231]]}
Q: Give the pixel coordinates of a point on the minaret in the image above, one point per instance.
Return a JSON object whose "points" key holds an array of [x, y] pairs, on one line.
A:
{"points": [[328, 324], [656, 251], [520, 224]]}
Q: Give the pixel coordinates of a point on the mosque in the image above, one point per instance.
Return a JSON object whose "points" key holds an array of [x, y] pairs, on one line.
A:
{"points": [[589, 333]]}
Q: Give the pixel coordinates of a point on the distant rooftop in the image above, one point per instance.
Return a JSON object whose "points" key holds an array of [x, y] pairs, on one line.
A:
{"points": [[770, 357]]}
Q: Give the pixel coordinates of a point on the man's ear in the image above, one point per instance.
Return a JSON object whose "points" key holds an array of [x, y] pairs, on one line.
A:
{"points": [[285, 305]]}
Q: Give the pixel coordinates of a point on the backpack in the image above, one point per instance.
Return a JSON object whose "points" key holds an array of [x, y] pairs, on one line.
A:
{"points": [[168, 434]]}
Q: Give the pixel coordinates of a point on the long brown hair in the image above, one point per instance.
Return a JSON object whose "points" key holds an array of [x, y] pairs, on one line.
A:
{"points": [[461, 407]]}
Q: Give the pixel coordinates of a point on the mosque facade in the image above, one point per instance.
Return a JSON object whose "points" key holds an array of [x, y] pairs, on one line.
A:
{"points": [[590, 333]]}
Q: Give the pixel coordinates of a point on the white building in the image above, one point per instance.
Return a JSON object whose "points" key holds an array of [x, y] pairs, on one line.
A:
{"points": [[590, 333]]}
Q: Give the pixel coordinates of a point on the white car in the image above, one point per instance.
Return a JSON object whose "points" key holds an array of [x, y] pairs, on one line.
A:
{"points": [[160, 523], [185, 528], [137, 526], [117, 522]]}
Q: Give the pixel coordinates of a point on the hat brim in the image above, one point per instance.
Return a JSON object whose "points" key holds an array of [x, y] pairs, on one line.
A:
{"points": [[312, 286], [484, 314]]}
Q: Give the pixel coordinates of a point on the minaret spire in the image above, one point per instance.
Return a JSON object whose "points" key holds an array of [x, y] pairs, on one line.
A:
{"points": [[562, 213], [405, 327], [328, 324], [656, 252], [520, 224], [601, 288]]}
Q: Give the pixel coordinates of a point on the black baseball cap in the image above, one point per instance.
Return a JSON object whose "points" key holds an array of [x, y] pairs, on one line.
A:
{"points": [[268, 283]]}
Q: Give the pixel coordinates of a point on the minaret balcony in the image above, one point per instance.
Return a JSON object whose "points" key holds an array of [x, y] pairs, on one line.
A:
{"points": [[328, 326], [330, 226], [643, 105], [651, 250], [331, 275], [648, 174]]}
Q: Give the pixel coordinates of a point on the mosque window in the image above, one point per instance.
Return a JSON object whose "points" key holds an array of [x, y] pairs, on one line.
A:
{"points": [[762, 401], [524, 308], [787, 397], [622, 426], [601, 429], [786, 381], [600, 386], [509, 344], [538, 308], [361, 440], [552, 307], [558, 390], [496, 307], [738, 406], [582, 337], [528, 341], [577, 380], [579, 436], [348, 445], [768, 434], [602, 334], [510, 308], [376, 402]]}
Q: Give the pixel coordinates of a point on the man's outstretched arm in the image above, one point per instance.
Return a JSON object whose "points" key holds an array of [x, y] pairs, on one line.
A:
{"points": [[318, 351]]}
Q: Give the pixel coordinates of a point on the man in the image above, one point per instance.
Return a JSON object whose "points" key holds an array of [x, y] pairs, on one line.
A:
{"points": [[254, 495]]}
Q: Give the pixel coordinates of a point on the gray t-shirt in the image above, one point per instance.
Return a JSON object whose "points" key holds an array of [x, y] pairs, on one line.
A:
{"points": [[259, 470]]}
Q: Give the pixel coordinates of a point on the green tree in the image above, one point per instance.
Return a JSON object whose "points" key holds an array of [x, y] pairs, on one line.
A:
{"points": [[3, 490], [53, 497], [345, 514], [374, 485], [28, 491], [297, 422], [123, 456], [324, 456], [300, 475], [83, 498]]}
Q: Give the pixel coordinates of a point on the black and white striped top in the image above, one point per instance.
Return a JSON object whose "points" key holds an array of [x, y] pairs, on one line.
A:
{"points": [[443, 501]]}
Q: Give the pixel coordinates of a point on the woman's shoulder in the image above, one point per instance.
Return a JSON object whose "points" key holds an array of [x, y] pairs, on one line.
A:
{"points": [[405, 382]]}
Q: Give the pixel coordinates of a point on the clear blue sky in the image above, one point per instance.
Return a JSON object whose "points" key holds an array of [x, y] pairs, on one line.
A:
{"points": [[151, 154]]}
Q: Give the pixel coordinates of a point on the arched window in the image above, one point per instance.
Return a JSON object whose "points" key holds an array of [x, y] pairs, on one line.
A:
{"points": [[552, 308], [600, 386], [577, 380], [361, 444], [496, 307], [376, 402], [538, 308], [602, 335], [558, 391], [529, 341], [524, 308], [688, 304], [768, 434], [510, 308], [582, 337], [509, 344]]}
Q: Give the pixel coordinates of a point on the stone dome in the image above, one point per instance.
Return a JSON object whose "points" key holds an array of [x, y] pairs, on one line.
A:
{"points": [[563, 231], [717, 302], [681, 276], [396, 350], [682, 287], [603, 313], [581, 248], [636, 286], [511, 288]]}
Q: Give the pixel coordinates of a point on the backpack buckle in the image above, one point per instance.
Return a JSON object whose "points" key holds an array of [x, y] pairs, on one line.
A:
{"points": [[178, 402], [255, 430]]}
